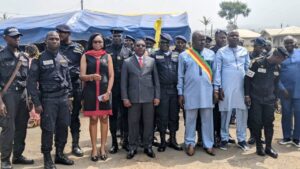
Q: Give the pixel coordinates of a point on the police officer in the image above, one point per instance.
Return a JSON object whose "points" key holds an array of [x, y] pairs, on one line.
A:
{"points": [[168, 110], [119, 53], [261, 89], [208, 41], [150, 42], [73, 51], [180, 44], [258, 47], [14, 114], [129, 42], [51, 72]]}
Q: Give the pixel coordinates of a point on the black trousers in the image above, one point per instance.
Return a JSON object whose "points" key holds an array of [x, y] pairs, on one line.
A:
{"points": [[13, 133], [217, 121], [168, 111], [119, 113], [135, 112], [262, 116], [75, 121], [55, 119]]}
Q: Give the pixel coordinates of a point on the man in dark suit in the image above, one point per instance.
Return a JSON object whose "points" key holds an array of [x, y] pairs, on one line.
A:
{"points": [[140, 92]]}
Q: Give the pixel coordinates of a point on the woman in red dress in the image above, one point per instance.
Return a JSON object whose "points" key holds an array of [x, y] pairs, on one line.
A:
{"points": [[96, 70]]}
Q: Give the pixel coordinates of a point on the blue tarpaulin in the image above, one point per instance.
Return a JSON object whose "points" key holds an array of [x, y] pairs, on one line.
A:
{"points": [[84, 23]]}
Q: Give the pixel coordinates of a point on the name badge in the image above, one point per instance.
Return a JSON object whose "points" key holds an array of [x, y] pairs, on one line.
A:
{"points": [[119, 57], [159, 57], [250, 73], [63, 61], [276, 73], [48, 62], [261, 70]]}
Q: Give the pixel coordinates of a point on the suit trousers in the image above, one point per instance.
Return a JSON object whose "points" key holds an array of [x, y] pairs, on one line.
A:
{"points": [[135, 112]]}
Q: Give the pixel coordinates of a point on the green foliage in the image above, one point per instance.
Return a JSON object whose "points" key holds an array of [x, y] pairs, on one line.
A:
{"points": [[231, 10]]}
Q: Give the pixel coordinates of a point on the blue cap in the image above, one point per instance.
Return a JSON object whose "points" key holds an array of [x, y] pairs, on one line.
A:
{"points": [[150, 38], [166, 36], [63, 28], [130, 37], [181, 38], [116, 30], [11, 31], [259, 41]]}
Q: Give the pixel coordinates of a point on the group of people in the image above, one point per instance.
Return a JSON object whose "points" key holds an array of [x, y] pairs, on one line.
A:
{"points": [[127, 86]]}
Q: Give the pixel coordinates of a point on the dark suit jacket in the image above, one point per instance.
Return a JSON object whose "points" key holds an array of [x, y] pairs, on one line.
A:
{"points": [[139, 85]]}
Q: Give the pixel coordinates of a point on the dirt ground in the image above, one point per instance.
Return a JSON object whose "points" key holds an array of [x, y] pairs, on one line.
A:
{"points": [[289, 156]]}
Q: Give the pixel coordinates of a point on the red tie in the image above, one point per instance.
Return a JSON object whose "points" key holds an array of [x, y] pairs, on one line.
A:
{"points": [[141, 61]]}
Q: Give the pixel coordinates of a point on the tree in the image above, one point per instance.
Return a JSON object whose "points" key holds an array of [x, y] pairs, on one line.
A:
{"points": [[206, 21], [4, 17], [231, 10]]}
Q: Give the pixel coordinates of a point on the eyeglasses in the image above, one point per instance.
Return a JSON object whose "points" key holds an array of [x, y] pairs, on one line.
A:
{"points": [[139, 45], [97, 42]]}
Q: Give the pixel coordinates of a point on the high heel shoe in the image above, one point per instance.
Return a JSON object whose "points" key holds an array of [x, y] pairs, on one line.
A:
{"points": [[103, 156], [94, 158]]}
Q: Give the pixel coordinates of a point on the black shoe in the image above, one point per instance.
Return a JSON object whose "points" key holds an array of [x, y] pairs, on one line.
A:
{"points": [[114, 149], [60, 158], [224, 145], [285, 141], [149, 152], [260, 151], [296, 143], [76, 150], [251, 141], [131, 154], [163, 145], [231, 140], [94, 158], [6, 165], [125, 145], [243, 145], [271, 152], [22, 160], [173, 142], [48, 163]]}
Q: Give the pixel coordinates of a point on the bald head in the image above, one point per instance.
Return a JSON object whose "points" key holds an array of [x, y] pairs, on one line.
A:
{"points": [[198, 40], [233, 38], [52, 41]]}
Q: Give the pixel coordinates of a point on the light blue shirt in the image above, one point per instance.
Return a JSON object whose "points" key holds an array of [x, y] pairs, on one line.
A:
{"points": [[193, 83], [230, 67], [290, 74]]}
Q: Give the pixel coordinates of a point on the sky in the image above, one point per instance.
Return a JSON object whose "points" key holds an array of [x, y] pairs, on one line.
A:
{"points": [[264, 13]]}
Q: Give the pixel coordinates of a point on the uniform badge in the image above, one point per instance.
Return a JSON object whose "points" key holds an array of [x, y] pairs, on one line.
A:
{"points": [[276, 73], [48, 62], [104, 61], [63, 61], [159, 57], [261, 70], [119, 57], [250, 73]]}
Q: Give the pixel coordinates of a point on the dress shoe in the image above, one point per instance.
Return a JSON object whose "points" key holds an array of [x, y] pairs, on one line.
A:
{"points": [[22, 160], [251, 140], [76, 150], [210, 151], [163, 144], [48, 163], [114, 148], [60, 158], [149, 152], [131, 154], [94, 158], [190, 150], [271, 152], [260, 151], [173, 142], [6, 165]]}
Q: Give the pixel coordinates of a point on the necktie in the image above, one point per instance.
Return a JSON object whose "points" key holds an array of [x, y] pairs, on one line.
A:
{"points": [[141, 61]]}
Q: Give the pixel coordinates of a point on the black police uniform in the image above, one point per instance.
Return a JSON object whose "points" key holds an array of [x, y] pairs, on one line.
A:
{"points": [[14, 124], [51, 73], [74, 52], [167, 113], [261, 84], [118, 53]]}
